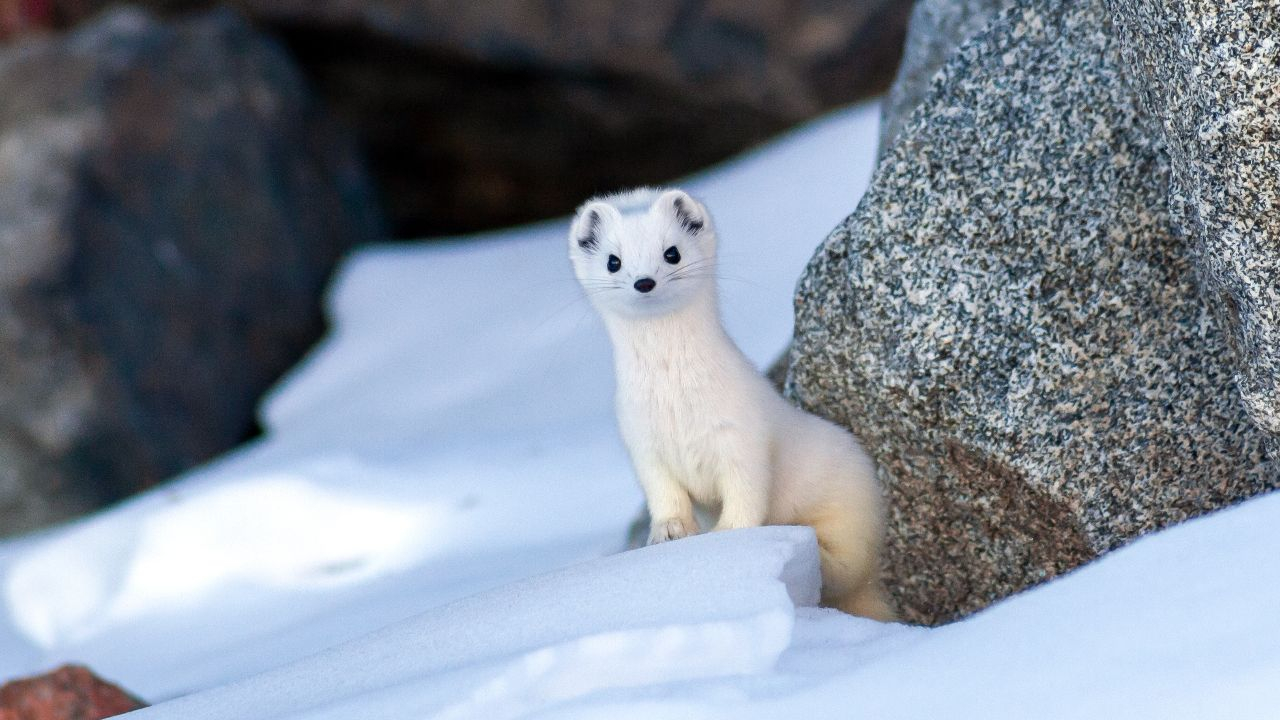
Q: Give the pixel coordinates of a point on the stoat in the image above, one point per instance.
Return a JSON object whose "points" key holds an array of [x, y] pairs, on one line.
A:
{"points": [[701, 424]]}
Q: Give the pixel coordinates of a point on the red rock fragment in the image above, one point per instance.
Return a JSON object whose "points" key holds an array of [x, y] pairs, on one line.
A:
{"points": [[69, 693]]}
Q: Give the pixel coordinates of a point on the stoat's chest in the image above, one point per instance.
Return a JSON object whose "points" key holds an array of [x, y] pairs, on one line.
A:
{"points": [[671, 392], [682, 405]]}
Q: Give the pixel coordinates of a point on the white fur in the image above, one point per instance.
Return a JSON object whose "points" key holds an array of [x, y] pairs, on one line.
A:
{"points": [[702, 426]]}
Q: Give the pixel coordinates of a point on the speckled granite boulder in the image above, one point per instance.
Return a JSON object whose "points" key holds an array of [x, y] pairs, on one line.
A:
{"points": [[1210, 71], [1011, 323]]}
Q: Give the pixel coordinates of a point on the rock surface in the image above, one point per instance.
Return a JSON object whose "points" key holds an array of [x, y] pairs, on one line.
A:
{"points": [[171, 204], [1012, 324], [937, 28], [1210, 72], [68, 693], [19, 17], [482, 113]]}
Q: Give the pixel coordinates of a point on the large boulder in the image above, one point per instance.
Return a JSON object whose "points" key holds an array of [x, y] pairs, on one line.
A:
{"points": [[519, 110], [171, 204], [1011, 319]]}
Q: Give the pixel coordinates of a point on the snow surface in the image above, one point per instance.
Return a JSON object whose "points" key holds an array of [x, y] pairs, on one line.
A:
{"points": [[430, 528]]}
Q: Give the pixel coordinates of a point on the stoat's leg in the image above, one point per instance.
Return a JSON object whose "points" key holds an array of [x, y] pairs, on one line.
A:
{"points": [[670, 509], [871, 601], [744, 490], [670, 529]]}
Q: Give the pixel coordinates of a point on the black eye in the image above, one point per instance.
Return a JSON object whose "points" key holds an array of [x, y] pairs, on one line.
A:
{"points": [[672, 255], [614, 264]]}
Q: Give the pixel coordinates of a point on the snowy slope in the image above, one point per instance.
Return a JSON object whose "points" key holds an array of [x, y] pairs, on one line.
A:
{"points": [[719, 606], [384, 552]]}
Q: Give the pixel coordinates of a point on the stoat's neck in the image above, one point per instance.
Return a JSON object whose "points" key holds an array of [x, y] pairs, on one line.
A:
{"points": [[690, 331]]}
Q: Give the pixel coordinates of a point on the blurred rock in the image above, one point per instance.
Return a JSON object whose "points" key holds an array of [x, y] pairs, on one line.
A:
{"points": [[171, 204], [1011, 320], [481, 113], [19, 17], [34, 490], [69, 693]]}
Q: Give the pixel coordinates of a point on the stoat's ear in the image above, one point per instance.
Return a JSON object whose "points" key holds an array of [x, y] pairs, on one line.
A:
{"points": [[684, 210], [585, 232]]}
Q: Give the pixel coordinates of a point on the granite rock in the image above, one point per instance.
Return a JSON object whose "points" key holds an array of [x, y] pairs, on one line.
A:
{"points": [[1011, 322], [518, 110], [1209, 73], [935, 30], [171, 204]]}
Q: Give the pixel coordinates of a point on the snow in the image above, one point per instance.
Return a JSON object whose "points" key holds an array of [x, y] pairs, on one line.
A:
{"points": [[431, 527], [722, 605]]}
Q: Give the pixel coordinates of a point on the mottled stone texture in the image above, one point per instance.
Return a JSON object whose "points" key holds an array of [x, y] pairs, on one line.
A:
{"points": [[936, 29], [1209, 71], [1012, 324], [171, 203]]}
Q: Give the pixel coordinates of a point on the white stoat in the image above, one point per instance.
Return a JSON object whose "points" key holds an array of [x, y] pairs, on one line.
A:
{"points": [[702, 425]]}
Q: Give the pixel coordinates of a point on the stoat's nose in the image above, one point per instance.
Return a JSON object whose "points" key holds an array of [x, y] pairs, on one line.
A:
{"points": [[645, 284]]}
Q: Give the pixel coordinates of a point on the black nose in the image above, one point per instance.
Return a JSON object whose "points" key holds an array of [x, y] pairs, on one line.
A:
{"points": [[645, 284]]}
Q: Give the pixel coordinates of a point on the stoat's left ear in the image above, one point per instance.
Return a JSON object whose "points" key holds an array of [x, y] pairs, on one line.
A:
{"points": [[684, 210]]}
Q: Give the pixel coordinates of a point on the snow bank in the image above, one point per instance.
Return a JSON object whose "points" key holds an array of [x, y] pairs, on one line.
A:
{"points": [[1178, 625], [717, 605]]}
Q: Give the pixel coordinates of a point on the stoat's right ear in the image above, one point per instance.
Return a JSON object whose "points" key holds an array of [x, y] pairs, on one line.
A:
{"points": [[587, 224]]}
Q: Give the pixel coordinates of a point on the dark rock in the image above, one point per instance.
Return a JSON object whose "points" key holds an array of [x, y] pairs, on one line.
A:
{"points": [[33, 488], [1011, 322], [479, 113], [19, 17], [69, 693], [1210, 72], [171, 204]]}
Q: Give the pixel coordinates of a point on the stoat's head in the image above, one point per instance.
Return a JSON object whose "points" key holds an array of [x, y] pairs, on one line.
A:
{"points": [[645, 252]]}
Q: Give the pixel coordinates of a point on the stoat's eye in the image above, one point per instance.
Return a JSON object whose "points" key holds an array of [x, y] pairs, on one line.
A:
{"points": [[672, 255], [614, 264]]}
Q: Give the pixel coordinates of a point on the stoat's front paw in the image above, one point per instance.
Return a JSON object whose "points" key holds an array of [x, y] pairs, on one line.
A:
{"points": [[668, 529]]}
